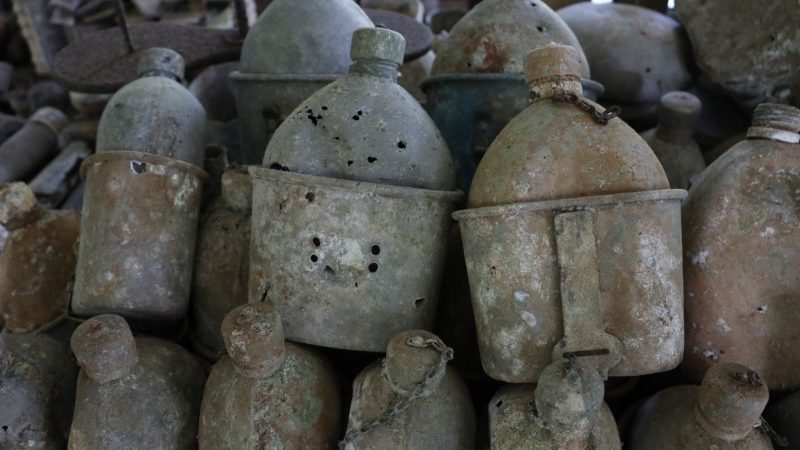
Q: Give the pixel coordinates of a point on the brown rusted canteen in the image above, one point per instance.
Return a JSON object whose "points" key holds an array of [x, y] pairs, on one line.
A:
{"points": [[37, 262], [724, 413], [565, 410], [411, 399], [267, 393], [741, 233], [133, 392], [572, 237], [142, 199], [351, 208]]}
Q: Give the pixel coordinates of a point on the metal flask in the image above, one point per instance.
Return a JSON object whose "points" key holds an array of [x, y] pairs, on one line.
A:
{"points": [[142, 198], [723, 413], [564, 411], [37, 377], [133, 393], [294, 49], [38, 261], [672, 139], [411, 399], [638, 54], [267, 393], [351, 208], [572, 239], [222, 261], [477, 85], [742, 249], [32, 145]]}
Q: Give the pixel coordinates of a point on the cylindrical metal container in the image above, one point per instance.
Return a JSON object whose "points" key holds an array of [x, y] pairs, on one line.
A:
{"points": [[351, 209], [564, 411], [133, 393], [293, 50], [411, 399], [672, 140], [267, 393], [37, 377], [742, 250], [572, 239], [477, 86], [222, 261], [142, 199], [31, 146], [724, 412], [37, 262]]}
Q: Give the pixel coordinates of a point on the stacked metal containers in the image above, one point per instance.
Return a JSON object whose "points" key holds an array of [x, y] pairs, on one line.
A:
{"points": [[351, 208], [294, 49]]}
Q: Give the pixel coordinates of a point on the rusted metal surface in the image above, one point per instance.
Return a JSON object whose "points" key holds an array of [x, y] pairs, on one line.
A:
{"points": [[221, 264], [32, 145], [38, 390], [565, 411], [672, 140], [441, 416], [637, 54], [37, 262], [517, 244], [150, 401], [724, 412], [750, 50], [142, 200], [419, 37], [267, 393], [294, 49], [742, 247], [495, 36], [100, 61], [349, 228], [61, 175]]}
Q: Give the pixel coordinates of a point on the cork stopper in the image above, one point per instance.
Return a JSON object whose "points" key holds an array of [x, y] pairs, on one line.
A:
{"points": [[553, 67], [253, 336], [776, 122], [237, 189], [50, 117], [731, 400], [678, 113], [410, 358], [105, 348], [18, 205], [567, 396], [377, 51], [161, 62]]}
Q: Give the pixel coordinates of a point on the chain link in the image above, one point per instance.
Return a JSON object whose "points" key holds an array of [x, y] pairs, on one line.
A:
{"points": [[601, 118], [403, 401]]}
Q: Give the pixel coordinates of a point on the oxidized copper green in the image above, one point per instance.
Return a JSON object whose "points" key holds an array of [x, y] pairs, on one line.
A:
{"points": [[294, 49], [351, 208], [133, 393], [267, 393], [572, 238], [142, 198]]}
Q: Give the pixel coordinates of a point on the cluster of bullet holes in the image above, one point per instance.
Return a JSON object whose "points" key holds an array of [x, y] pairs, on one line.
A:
{"points": [[328, 270], [357, 115]]}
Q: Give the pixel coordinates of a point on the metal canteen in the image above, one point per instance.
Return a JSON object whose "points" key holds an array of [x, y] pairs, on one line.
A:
{"points": [[133, 392], [351, 208], [37, 263], [567, 204], [672, 140], [564, 411], [142, 199], [477, 86], [267, 393], [741, 249], [411, 399], [724, 412], [293, 50]]}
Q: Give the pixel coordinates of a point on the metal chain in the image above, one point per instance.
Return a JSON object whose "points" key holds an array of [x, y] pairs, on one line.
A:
{"points": [[601, 118], [772, 434], [403, 401]]}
